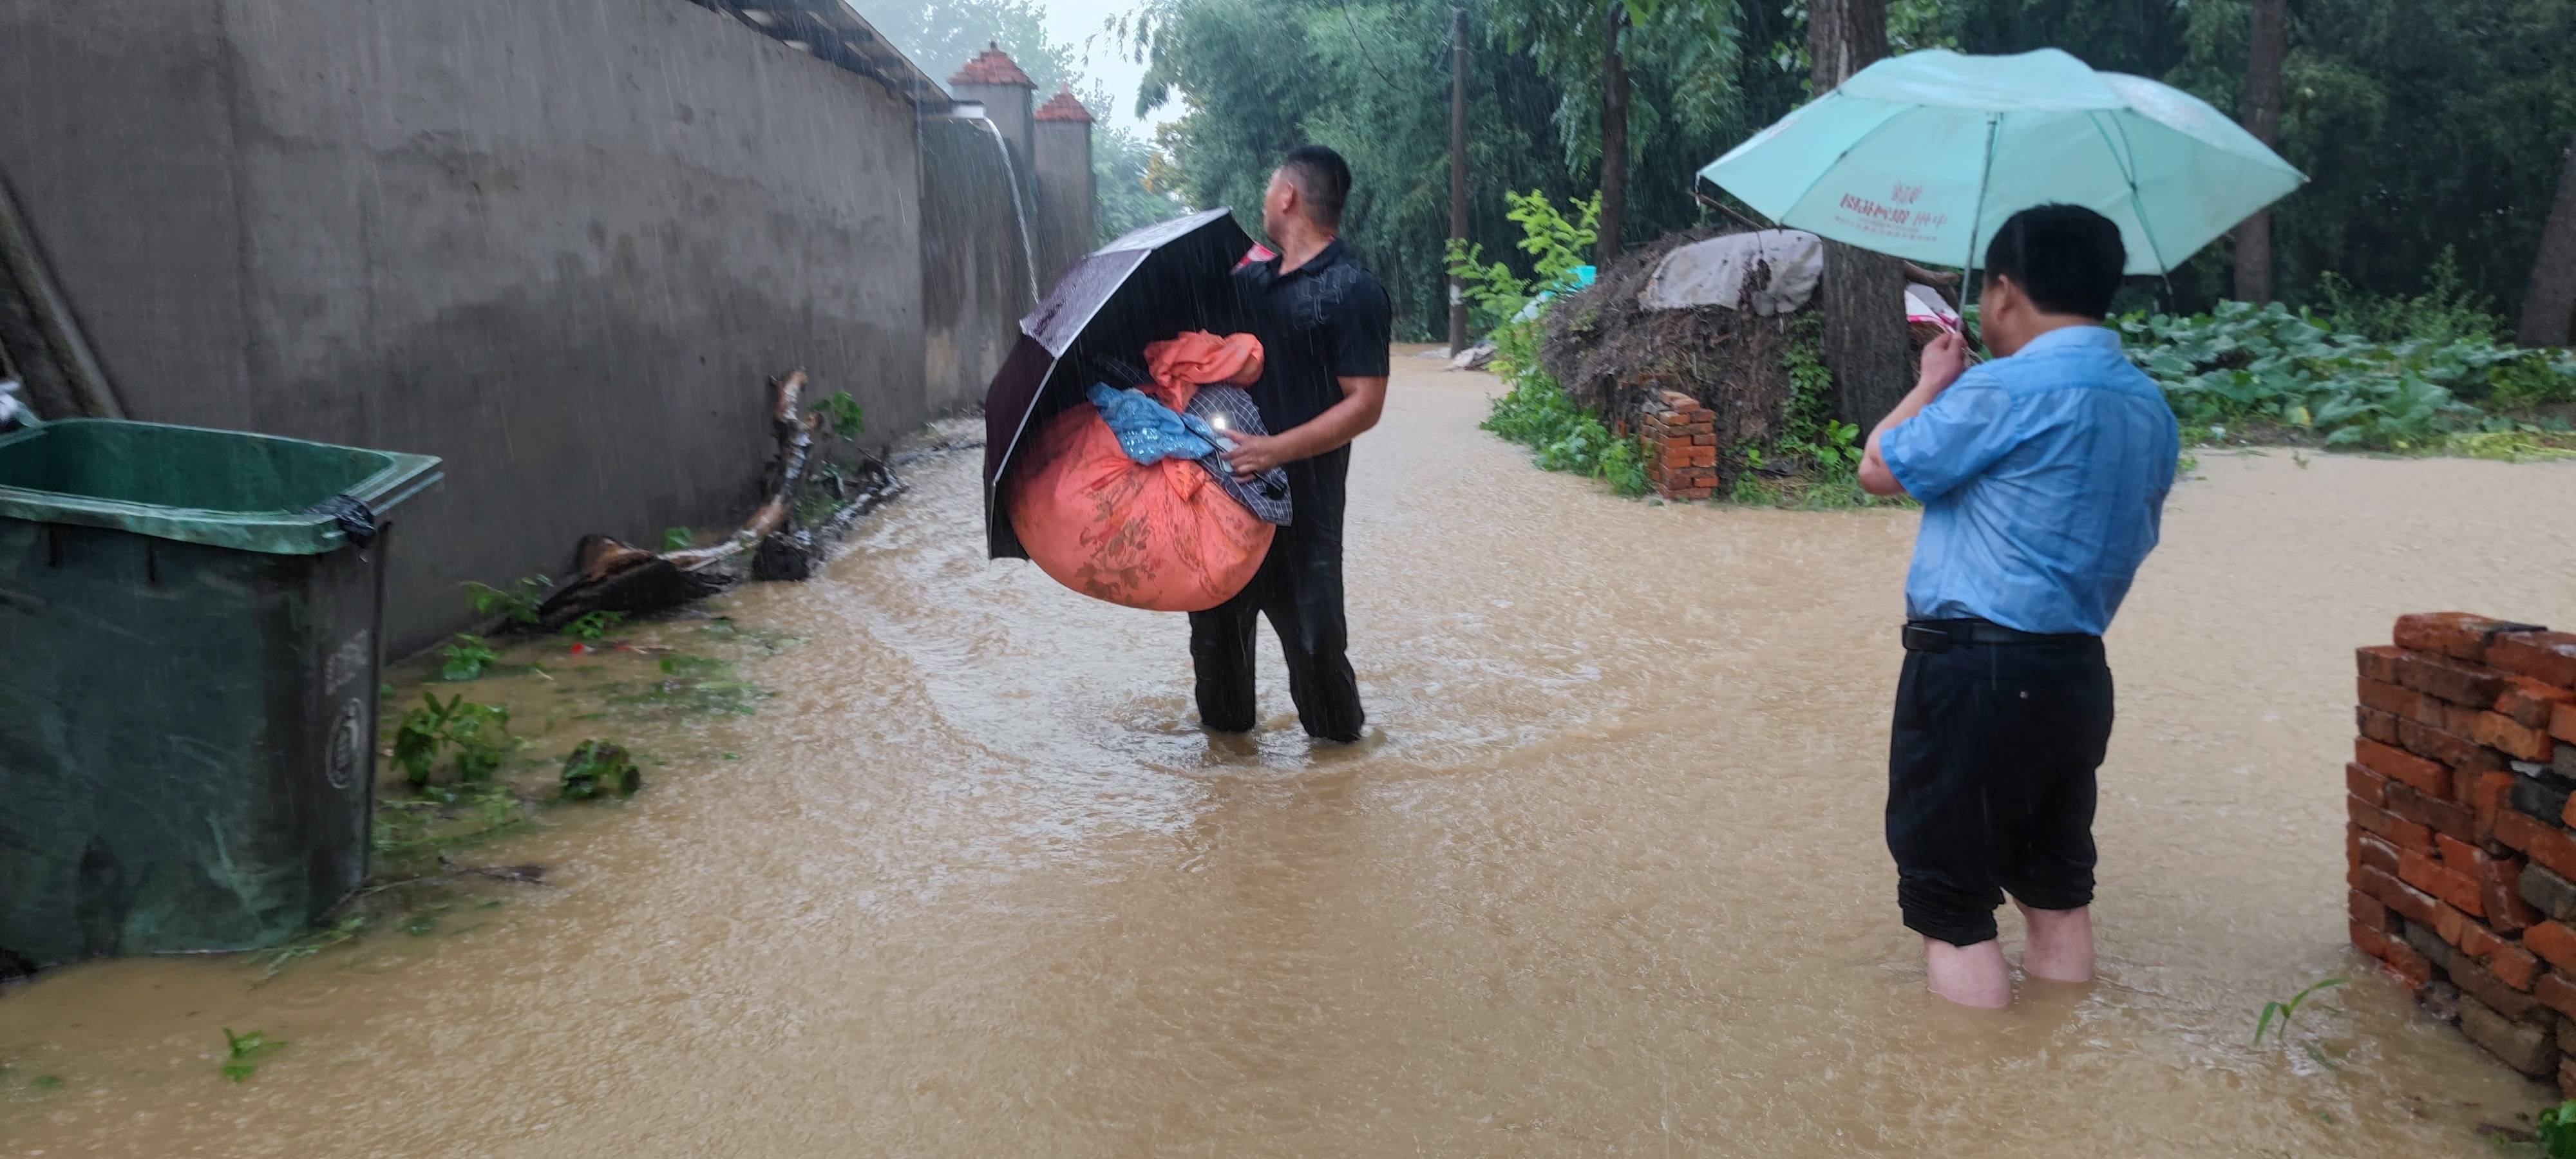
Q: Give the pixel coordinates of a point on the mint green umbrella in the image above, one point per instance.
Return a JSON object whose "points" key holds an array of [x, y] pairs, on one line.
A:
{"points": [[1925, 155]]}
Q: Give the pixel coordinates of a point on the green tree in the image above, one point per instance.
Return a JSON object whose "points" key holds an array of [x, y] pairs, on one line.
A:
{"points": [[1121, 165], [942, 35], [2422, 126], [1635, 76]]}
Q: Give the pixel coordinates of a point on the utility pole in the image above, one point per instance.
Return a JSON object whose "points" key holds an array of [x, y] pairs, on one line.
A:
{"points": [[1457, 170]]}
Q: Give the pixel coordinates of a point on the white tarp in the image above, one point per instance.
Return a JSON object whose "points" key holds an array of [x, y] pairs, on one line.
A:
{"points": [[1712, 272]]}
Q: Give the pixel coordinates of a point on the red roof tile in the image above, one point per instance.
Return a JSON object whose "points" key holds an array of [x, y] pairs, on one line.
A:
{"points": [[992, 67], [1064, 106]]}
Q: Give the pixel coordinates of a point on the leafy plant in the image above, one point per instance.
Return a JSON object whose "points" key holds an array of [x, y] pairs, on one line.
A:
{"points": [[2447, 311], [311, 942], [2283, 1012], [594, 627], [2556, 1129], [596, 769], [467, 659], [2264, 366], [1557, 245], [843, 414], [243, 1053], [478, 732], [678, 539], [519, 605]]}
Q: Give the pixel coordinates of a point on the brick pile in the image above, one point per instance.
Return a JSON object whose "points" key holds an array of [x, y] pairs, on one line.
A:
{"points": [[1681, 446], [2463, 866]]}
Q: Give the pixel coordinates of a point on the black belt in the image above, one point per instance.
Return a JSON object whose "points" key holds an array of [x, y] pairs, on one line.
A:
{"points": [[1943, 635]]}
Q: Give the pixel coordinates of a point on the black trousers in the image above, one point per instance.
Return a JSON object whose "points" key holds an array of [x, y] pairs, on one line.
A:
{"points": [[1990, 781], [1299, 587]]}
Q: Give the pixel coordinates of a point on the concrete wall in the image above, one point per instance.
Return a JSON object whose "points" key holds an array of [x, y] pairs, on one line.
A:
{"points": [[561, 245], [1012, 110], [1065, 214], [975, 277]]}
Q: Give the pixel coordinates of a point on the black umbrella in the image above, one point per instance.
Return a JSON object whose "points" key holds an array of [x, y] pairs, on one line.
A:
{"points": [[1142, 288]]}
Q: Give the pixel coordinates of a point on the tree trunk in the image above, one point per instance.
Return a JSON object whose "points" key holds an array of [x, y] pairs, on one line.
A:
{"points": [[2549, 308], [2271, 37], [1866, 344], [1614, 139]]}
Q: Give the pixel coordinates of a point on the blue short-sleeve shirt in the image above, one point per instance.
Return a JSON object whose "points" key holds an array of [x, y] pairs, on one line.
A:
{"points": [[2043, 480]]}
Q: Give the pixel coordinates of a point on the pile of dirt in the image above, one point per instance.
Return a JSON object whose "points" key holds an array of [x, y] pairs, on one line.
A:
{"points": [[1611, 356]]}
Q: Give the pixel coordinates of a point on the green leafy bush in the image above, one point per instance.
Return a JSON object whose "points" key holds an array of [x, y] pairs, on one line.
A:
{"points": [[466, 659], [596, 769], [2447, 311], [2267, 367], [479, 733], [594, 627], [519, 605]]}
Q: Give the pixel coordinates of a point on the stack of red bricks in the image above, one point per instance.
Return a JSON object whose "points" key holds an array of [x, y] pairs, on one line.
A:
{"points": [[2463, 869], [1681, 446]]}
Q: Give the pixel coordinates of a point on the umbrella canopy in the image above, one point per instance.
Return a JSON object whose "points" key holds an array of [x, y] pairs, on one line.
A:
{"points": [[1925, 155], [1142, 288]]}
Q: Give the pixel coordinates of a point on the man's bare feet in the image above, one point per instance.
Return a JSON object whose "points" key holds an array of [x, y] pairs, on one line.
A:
{"points": [[2060, 948], [1969, 975]]}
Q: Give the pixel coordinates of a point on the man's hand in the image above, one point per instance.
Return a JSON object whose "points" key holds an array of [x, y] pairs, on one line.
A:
{"points": [[1253, 454], [1944, 360]]}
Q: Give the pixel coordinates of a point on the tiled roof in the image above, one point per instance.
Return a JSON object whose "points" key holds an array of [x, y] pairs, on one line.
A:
{"points": [[1064, 106], [992, 67]]}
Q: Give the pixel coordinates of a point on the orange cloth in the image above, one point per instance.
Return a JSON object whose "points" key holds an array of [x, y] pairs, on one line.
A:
{"points": [[1160, 536]]}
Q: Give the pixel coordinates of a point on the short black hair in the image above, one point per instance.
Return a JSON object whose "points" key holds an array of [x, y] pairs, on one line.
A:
{"points": [[1323, 180], [2066, 257]]}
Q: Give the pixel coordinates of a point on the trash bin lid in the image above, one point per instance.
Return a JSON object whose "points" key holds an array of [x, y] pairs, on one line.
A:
{"points": [[229, 489]]}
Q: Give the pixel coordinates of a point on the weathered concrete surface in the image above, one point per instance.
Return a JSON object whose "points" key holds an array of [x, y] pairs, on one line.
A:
{"points": [[975, 280], [1065, 214], [561, 245]]}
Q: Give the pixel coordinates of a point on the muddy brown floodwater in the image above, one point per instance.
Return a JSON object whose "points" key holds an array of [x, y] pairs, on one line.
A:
{"points": [[1606, 879]]}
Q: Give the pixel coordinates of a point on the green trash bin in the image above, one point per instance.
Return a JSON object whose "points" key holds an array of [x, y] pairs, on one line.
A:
{"points": [[190, 620]]}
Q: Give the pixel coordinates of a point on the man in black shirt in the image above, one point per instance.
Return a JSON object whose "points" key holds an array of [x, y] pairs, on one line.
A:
{"points": [[1324, 323]]}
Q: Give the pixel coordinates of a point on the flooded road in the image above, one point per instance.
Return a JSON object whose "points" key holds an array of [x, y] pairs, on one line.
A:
{"points": [[1606, 879]]}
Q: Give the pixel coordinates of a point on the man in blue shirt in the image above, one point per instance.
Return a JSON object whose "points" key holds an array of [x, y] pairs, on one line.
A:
{"points": [[2043, 477]]}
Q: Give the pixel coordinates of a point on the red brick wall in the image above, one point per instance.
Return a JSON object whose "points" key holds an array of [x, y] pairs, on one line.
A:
{"points": [[1681, 446], [2463, 869]]}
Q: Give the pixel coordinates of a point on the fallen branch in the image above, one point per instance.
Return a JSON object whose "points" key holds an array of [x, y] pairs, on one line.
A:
{"points": [[620, 577]]}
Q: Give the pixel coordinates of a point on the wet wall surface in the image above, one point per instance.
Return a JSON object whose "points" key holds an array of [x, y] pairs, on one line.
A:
{"points": [[561, 245]]}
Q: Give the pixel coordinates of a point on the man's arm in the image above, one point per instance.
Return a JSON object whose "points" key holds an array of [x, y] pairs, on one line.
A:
{"points": [[1943, 361], [1363, 400]]}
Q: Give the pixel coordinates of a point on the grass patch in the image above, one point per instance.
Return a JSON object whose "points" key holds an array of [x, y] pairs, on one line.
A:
{"points": [[243, 1053]]}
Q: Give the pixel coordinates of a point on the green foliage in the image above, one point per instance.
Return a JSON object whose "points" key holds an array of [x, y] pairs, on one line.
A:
{"points": [[1829, 449], [942, 35], [244, 1052], [2556, 1129], [2268, 367], [593, 627], [518, 605], [842, 413], [2285, 1011], [466, 659], [2480, 99], [597, 769], [2446, 311], [312, 942], [692, 686], [1558, 245], [1536, 413], [678, 539], [1122, 170], [1370, 78], [1681, 57], [479, 734]]}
